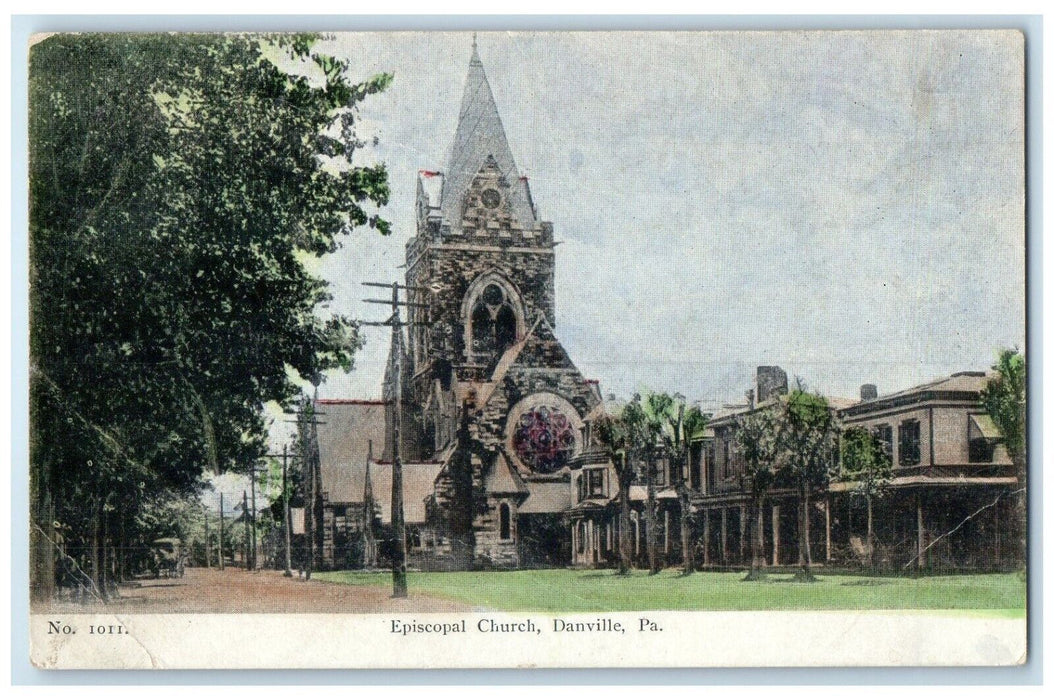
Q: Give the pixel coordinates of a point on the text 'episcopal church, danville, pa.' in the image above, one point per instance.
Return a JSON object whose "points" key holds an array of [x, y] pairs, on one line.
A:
{"points": [[498, 467]]}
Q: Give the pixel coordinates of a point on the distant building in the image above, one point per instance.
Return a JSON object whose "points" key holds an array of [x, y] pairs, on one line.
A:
{"points": [[949, 466]]}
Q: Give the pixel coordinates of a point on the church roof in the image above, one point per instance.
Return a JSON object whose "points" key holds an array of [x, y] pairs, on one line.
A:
{"points": [[504, 479], [344, 436], [546, 497], [418, 484], [480, 134]]}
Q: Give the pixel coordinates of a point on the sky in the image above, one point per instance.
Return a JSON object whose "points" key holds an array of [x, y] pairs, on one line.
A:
{"points": [[846, 205]]}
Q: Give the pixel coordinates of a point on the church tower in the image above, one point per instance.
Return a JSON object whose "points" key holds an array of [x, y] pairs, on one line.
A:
{"points": [[481, 273]]}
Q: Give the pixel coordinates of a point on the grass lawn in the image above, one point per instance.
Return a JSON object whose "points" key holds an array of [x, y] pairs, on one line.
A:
{"points": [[562, 590]]}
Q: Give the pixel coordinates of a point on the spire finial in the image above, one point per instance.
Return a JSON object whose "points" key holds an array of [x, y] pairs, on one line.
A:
{"points": [[473, 41], [475, 52]]}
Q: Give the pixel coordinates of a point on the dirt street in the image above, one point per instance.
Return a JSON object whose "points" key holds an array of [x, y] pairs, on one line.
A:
{"points": [[239, 591]]}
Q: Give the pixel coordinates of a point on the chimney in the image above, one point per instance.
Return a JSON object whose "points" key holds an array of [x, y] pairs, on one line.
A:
{"points": [[868, 392], [770, 381]]}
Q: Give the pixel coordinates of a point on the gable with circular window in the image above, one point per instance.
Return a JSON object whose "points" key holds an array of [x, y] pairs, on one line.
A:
{"points": [[543, 433]]}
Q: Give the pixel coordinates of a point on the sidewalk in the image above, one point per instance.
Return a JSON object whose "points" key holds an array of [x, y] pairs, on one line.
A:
{"points": [[239, 591]]}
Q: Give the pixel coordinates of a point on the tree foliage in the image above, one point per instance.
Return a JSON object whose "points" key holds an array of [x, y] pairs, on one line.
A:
{"points": [[1004, 400], [865, 462], [757, 439], [177, 187]]}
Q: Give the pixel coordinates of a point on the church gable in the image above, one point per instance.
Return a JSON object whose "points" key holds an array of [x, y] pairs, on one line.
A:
{"points": [[486, 207], [541, 348], [538, 364]]}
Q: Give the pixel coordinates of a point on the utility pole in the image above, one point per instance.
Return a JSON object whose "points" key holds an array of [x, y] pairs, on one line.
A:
{"points": [[287, 513], [396, 323], [310, 513], [221, 531], [308, 454], [245, 517], [252, 487], [205, 510]]}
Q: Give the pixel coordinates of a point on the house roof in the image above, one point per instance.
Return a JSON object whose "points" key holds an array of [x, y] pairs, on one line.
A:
{"points": [[961, 385], [344, 436], [480, 134]]}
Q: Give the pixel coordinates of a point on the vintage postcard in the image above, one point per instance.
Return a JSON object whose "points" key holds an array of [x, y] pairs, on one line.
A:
{"points": [[527, 349]]}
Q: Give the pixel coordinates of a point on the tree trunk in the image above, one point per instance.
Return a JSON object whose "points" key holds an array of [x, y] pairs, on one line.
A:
{"points": [[1021, 511], [757, 541], [650, 540], [624, 545], [93, 550], [870, 534], [42, 539], [122, 551], [804, 550], [687, 551]]}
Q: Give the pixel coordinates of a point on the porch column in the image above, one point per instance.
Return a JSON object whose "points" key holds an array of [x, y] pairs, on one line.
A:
{"points": [[666, 529], [724, 535], [827, 527], [596, 542], [775, 535], [920, 557], [591, 541], [574, 542], [742, 532], [706, 537], [636, 536]]}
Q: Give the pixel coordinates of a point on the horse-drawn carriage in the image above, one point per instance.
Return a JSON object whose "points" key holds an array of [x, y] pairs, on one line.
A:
{"points": [[168, 558]]}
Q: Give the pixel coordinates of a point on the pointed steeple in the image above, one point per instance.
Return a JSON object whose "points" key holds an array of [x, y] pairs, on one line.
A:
{"points": [[480, 134]]}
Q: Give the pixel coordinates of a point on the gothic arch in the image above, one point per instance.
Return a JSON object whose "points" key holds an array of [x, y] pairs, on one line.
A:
{"points": [[493, 316]]}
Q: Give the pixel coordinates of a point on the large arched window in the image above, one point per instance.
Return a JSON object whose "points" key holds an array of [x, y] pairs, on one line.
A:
{"points": [[493, 322], [493, 317]]}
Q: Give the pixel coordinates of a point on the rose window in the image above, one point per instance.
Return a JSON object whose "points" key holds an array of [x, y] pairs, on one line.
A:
{"points": [[544, 439]]}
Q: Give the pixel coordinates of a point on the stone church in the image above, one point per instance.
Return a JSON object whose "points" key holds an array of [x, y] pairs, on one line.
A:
{"points": [[493, 408]]}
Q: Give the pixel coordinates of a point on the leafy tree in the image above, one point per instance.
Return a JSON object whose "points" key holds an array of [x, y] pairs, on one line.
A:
{"points": [[658, 413], [177, 187], [612, 432], [641, 418], [678, 425], [808, 449], [867, 464], [757, 437], [1004, 400]]}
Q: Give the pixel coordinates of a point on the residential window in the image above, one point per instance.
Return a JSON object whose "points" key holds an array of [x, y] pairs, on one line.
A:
{"points": [[595, 482], [910, 449], [981, 450]]}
